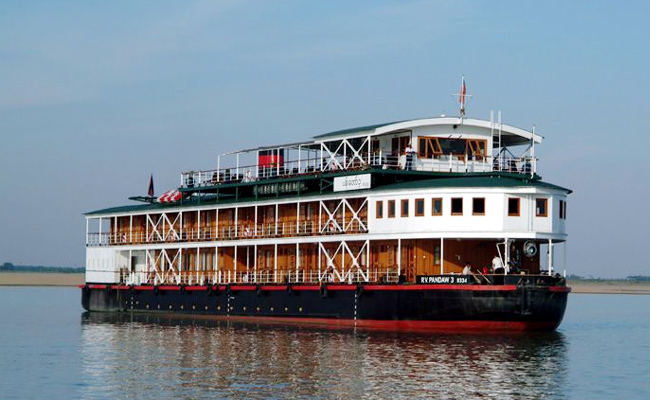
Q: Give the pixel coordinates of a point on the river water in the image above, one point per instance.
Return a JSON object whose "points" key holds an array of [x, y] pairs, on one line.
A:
{"points": [[51, 349]]}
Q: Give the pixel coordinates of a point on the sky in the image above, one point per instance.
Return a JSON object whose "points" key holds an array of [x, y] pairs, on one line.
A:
{"points": [[96, 96]]}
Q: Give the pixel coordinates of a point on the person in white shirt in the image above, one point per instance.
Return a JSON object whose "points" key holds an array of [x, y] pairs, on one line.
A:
{"points": [[409, 157], [496, 264], [468, 269]]}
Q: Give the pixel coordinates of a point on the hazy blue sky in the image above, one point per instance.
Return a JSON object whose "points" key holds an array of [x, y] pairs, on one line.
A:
{"points": [[95, 96]]}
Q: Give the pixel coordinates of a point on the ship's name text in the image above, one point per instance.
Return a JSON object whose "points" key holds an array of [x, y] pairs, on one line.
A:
{"points": [[443, 280]]}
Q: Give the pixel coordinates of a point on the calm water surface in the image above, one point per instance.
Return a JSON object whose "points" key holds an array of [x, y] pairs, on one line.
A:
{"points": [[50, 349]]}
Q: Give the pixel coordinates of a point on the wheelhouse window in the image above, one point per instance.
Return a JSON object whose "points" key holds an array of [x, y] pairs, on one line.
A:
{"points": [[562, 209], [457, 206], [391, 208], [405, 208], [478, 206], [436, 206], [380, 209], [419, 207], [433, 147], [541, 207], [513, 207]]}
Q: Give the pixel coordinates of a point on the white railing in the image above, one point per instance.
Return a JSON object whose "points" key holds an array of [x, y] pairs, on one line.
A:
{"points": [[231, 232], [441, 163], [207, 277]]}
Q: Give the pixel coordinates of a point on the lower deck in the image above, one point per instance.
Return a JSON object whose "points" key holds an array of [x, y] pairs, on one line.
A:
{"points": [[347, 261]]}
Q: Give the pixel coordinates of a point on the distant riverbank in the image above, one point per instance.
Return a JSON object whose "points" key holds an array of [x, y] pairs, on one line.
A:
{"points": [[609, 286], [63, 279], [40, 279]]}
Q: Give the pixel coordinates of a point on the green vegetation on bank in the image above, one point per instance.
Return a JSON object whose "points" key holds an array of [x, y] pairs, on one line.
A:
{"points": [[9, 267], [591, 279]]}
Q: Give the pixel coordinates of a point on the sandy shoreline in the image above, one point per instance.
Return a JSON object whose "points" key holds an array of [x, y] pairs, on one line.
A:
{"points": [[40, 279], [59, 279]]}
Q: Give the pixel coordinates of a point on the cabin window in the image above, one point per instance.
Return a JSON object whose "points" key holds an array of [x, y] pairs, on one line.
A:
{"points": [[391, 208], [419, 207], [457, 206], [436, 206], [541, 209], [562, 209], [405, 208], [380, 209], [513, 207], [478, 206], [429, 147], [432, 147]]}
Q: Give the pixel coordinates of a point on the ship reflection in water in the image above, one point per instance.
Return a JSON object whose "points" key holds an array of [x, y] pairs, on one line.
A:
{"points": [[128, 356]]}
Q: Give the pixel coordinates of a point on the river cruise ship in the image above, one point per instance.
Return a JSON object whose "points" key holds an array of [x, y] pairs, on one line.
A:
{"points": [[425, 224]]}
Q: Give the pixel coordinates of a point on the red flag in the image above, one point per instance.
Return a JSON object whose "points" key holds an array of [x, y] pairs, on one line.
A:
{"points": [[461, 97], [151, 186]]}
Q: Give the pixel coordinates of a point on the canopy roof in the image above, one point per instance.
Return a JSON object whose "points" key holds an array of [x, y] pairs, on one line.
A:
{"points": [[510, 135]]}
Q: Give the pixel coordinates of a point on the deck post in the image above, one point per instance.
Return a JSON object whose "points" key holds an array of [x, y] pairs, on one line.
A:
{"points": [[237, 167], [180, 229], [275, 262], [399, 258], [255, 263], [550, 257], [297, 260], [255, 227], [219, 168], [236, 222], [297, 217], [320, 260], [235, 262], [369, 148], [367, 260], [506, 256], [442, 256], [216, 266]]}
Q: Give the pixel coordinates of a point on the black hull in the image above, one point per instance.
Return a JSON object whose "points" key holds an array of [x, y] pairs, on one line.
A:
{"points": [[409, 307]]}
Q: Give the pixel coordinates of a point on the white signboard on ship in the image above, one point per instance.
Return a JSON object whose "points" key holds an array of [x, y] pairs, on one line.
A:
{"points": [[354, 182]]}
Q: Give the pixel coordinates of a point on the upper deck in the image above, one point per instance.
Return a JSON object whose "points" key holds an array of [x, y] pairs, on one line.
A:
{"points": [[430, 145]]}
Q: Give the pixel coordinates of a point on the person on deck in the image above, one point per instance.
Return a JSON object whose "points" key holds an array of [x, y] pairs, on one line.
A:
{"points": [[468, 269], [497, 265], [409, 157]]}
